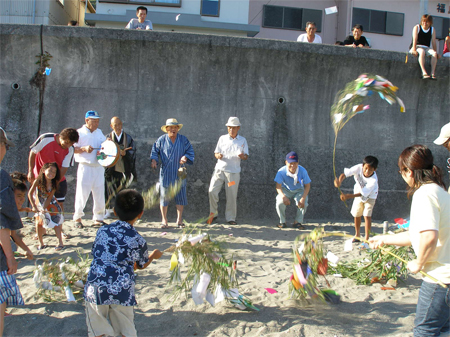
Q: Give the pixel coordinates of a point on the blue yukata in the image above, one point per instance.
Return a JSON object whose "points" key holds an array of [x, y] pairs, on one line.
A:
{"points": [[170, 154], [111, 279], [292, 191]]}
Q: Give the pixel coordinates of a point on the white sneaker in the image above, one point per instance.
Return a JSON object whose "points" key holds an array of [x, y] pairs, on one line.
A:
{"points": [[109, 214]]}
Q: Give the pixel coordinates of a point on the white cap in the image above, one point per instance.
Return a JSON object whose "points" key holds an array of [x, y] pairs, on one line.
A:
{"points": [[444, 135]]}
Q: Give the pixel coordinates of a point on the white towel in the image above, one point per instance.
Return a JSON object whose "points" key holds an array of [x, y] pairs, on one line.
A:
{"points": [[293, 175]]}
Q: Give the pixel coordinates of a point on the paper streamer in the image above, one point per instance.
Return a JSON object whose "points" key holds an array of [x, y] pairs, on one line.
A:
{"points": [[271, 291], [173, 261], [348, 245], [196, 239], [231, 183], [300, 275], [332, 258]]}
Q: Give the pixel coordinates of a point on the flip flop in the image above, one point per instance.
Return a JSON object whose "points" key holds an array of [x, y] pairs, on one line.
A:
{"points": [[164, 225], [356, 240], [232, 222], [99, 224], [42, 247], [65, 236], [426, 77], [58, 248], [298, 225], [79, 224], [433, 78], [281, 225], [181, 225]]}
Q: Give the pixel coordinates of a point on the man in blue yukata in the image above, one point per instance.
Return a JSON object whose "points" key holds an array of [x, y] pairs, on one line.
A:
{"points": [[174, 150]]}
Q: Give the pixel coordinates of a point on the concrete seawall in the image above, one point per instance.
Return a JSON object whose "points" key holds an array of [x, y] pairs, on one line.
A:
{"points": [[281, 91]]}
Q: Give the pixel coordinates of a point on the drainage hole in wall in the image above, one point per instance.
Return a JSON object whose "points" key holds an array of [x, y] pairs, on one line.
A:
{"points": [[15, 86], [281, 100]]}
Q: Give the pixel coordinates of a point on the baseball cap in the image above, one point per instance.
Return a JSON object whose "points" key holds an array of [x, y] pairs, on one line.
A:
{"points": [[4, 138], [444, 135], [292, 157], [91, 114]]}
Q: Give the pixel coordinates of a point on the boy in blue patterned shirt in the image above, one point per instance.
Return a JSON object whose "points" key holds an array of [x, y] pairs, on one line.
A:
{"points": [[118, 249]]}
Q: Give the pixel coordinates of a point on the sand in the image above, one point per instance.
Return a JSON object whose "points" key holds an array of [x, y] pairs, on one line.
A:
{"points": [[264, 261]]}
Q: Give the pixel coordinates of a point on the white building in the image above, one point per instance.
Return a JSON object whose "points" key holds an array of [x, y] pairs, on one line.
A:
{"points": [[224, 17], [387, 24], [44, 12]]}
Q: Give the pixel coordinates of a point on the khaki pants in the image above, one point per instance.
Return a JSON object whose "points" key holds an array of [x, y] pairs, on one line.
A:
{"points": [[121, 320], [231, 189]]}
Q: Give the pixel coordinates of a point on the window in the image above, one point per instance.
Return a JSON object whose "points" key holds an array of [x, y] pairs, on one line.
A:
{"points": [[171, 3], [379, 22], [210, 8], [441, 25], [290, 17]]}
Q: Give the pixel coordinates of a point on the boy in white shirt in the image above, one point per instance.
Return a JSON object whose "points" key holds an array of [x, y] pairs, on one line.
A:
{"points": [[365, 192]]}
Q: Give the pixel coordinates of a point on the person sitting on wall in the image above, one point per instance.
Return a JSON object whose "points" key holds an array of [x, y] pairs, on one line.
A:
{"points": [[357, 40], [424, 44], [446, 52], [140, 22], [310, 35]]}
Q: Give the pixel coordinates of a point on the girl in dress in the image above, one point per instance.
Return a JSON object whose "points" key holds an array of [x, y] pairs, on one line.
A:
{"points": [[43, 202], [429, 235]]}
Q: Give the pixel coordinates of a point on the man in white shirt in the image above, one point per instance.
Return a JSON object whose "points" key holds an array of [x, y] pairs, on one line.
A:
{"points": [[90, 174], [140, 23], [230, 150], [310, 35]]}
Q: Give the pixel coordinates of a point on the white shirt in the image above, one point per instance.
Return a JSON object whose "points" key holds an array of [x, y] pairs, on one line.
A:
{"points": [[230, 149], [94, 139], [304, 38], [430, 210], [367, 186]]}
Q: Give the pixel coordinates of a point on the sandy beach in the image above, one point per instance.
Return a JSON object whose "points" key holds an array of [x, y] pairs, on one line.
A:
{"points": [[264, 260]]}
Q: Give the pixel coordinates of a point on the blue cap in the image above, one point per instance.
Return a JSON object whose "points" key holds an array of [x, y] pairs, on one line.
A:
{"points": [[292, 157], [91, 114]]}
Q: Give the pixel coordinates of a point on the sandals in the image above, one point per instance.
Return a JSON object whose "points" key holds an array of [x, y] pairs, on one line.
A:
{"points": [[233, 223], [164, 225], [79, 224], [356, 240], [65, 236], [58, 248], [211, 220], [42, 247], [426, 77], [281, 225], [298, 225], [433, 77], [181, 225]]}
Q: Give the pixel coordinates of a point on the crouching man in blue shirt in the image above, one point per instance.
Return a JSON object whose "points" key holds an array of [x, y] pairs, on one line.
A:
{"points": [[293, 182], [117, 250]]}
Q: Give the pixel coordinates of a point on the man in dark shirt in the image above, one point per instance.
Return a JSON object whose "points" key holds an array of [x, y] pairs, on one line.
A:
{"points": [[357, 40]]}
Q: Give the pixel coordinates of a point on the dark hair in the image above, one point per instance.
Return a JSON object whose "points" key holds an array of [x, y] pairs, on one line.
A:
{"points": [[427, 17], [70, 134], [371, 161], [41, 181], [129, 204], [72, 23], [143, 8], [19, 176], [339, 43], [310, 23], [19, 185], [358, 26], [419, 159]]}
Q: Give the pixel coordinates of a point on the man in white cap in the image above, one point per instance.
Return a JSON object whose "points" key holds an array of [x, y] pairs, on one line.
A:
{"points": [[174, 150], [444, 140], [230, 150], [90, 174]]}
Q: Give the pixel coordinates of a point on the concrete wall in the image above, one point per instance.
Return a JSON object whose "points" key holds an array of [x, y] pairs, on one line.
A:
{"points": [[147, 77]]}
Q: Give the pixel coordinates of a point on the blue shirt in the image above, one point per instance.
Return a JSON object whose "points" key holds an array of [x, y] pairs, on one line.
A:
{"points": [[170, 155], [116, 248], [288, 182]]}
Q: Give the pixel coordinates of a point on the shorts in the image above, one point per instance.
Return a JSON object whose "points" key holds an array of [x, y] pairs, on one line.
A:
{"points": [[61, 192], [121, 320], [360, 208], [428, 51], [9, 290]]}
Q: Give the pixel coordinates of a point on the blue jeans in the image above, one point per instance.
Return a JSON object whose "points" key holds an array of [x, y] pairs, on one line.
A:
{"points": [[433, 310]]}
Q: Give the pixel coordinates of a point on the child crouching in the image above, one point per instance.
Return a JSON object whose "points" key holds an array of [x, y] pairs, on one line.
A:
{"points": [[118, 248]]}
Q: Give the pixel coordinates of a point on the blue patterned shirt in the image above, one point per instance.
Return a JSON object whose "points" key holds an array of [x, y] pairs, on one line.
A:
{"points": [[116, 248]]}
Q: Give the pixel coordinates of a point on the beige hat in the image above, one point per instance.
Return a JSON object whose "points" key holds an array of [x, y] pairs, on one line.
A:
{"points": [[170, 122], [444, 135], [233, 121], [4, 138]]}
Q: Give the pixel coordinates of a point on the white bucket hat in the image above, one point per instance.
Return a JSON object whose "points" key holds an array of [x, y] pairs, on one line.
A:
{"points": [[444, 135], [233, 121], [170, 122]]}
